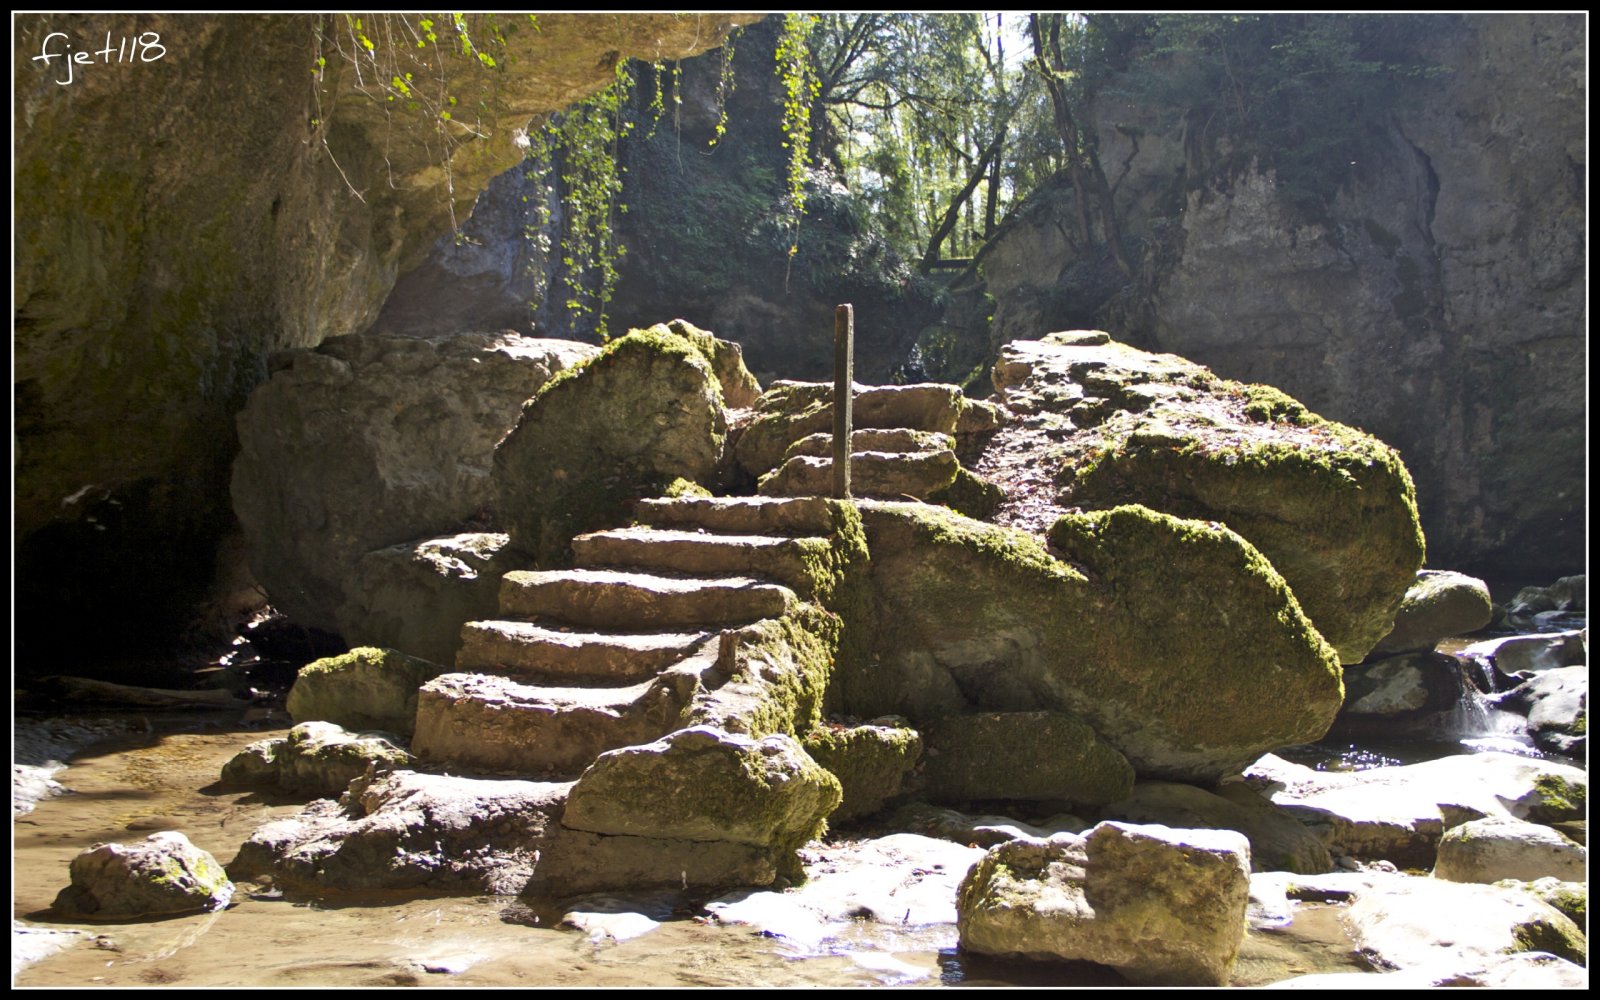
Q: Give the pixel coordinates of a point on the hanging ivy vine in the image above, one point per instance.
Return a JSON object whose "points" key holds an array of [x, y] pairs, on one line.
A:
{"points": [[800, 90]]}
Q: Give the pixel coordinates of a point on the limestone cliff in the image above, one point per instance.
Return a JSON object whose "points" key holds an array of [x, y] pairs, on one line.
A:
{"points": [[1436, 302], [186, 211]]}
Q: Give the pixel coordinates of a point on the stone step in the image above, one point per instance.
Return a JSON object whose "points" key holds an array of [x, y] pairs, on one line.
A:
{"points": [[790, 561], [896, 439], [925, 406], [872, 474], [740, 515], [541, 652], [621, 601], [484, 723]]}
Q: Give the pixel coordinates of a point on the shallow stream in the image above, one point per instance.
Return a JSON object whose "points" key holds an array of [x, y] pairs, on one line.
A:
{"points": [[128, 787]]}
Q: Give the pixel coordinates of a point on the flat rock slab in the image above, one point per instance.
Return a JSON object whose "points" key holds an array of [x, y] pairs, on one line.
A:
{"points": [[741, 515], [498, 724], [788, 560], [161, 875], [548, 654], [1412, 923], [1162, 906], [410, 831], [612, 599], [896, 439], [316, 759], [1397, 813], [1278, 841]]}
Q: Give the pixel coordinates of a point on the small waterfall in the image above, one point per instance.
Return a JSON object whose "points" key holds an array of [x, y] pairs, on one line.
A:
{"points": [[1477, 722]]}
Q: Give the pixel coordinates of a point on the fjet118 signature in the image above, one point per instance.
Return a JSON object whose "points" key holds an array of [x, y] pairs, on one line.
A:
{"points": [[145, 47]]}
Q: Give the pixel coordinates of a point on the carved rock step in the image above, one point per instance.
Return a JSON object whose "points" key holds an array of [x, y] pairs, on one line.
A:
{"points": [[485, 723], [926, 406], [895, 439], [740, 515], [790, 561], [872, 474], [611, 599], [539, 653]]}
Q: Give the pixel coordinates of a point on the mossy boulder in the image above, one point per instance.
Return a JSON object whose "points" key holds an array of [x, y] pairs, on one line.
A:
{"points": [[1438, 605], [704, 784], [1039, 756], [162, 875], [1175, 640], [1332, 508], [318, 759], [1278, 841], [366, 688], [647, 411], [872, 763]]}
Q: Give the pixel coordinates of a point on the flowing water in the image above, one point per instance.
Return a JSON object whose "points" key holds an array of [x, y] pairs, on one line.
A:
{"points": [[134, 785]]}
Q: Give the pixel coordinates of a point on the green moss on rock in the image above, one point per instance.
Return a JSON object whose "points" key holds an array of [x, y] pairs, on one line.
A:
{"points": [[366, 688], [871, 763], [1040, 756], [1174, 639], [642, 414]]}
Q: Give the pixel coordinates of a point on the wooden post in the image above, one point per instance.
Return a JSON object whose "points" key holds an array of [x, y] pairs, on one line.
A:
{"points": [[844, 350]]}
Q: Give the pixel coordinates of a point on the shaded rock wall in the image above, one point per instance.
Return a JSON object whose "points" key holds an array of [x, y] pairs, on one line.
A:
{"points": [[180, 218], [1437, 303]]}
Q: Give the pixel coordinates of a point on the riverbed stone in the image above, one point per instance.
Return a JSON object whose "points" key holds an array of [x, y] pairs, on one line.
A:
{"points": [[1488, 850], [1431, 923], [163, 874], [982, 830], [409, 831], [1162, 906], [368, 441], [1556, 703], [317, 759], [416, 596], [1570, 593], [1571, 898], [1398, 813], [366, 688], [972, 617], [1278, 841], [1049, 756], [1332, 508], [1439, 604], [872, 763], [646, 411]]}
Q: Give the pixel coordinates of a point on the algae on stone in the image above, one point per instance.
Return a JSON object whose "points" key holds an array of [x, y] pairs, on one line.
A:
{"points": [[872, 763], [1040, 756]]}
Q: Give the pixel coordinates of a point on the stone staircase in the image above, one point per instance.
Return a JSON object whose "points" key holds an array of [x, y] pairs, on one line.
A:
{"points": [[905, 447], [624, 648]]}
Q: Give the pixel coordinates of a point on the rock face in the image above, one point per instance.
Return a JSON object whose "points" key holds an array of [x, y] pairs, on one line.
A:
{"points": [[1438, 605], [415, 597], [1413, 693], [316, 759], [1557, 705], [1332, 508], [970, 616], [872, 763], [1278, 842], [367, 442], [181, 219], [1049, 756], [1437, 300], [1164, 907], [644, 412], [161, 875], [365, 688]]}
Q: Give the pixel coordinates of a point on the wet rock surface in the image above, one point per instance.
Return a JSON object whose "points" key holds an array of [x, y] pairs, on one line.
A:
{"points": [[315, 759], [366, 688], [1488, 850]]}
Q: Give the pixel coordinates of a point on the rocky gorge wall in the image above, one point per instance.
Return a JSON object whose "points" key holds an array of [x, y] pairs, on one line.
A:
{"points": [[185, 213], [1437, 302]]}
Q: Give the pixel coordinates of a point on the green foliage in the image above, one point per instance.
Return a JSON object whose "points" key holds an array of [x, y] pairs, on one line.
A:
{"points": [[800, 90]]}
